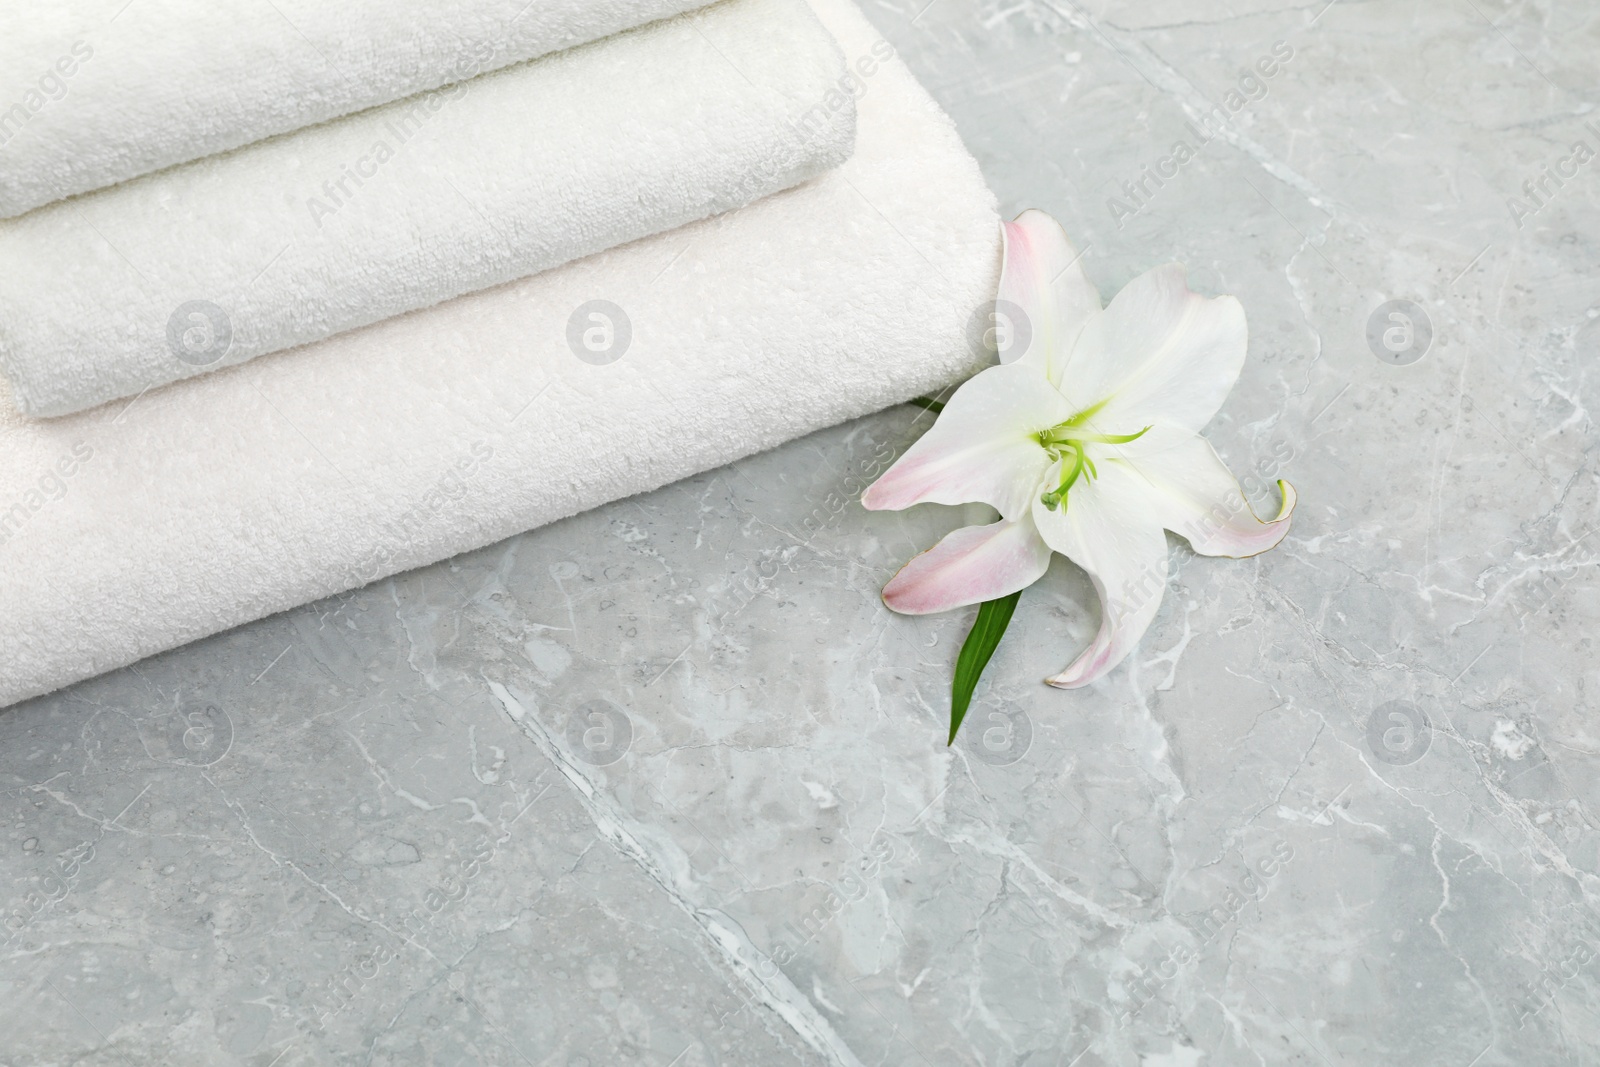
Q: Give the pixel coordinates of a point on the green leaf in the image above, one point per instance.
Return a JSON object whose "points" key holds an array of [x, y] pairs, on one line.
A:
{"points": [[927, 402], [993, 618]]}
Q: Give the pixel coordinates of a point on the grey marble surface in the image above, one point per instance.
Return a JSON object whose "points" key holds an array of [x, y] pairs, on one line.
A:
{"points": [[664, 784]]}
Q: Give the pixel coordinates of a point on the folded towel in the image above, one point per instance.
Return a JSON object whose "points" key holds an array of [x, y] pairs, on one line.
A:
{"points": [[324, 230], [95, 92], [131, 529]]}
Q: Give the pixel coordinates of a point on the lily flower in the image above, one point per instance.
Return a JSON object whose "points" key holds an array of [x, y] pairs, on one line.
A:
{"points": [[1087, 443]]}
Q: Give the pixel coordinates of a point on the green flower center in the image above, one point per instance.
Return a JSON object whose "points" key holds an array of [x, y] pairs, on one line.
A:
{"points": [[1066, 442]]}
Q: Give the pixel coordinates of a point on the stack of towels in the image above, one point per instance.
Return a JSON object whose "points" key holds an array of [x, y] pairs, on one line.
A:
{"points": [[296, 298]]}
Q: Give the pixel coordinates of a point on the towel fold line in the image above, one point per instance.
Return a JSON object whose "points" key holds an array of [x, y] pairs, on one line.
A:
{"points": [[98, 92], [295, 239]]}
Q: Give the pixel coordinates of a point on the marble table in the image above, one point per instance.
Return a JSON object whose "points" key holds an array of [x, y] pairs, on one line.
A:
{"points": [[666, 785]]}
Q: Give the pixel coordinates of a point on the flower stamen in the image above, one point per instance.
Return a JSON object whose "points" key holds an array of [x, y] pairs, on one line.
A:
{"points": [[1067, 440]]}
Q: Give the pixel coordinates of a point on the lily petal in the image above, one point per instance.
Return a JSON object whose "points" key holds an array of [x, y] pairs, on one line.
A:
{"points": [[1193, 494], [1107, 529], [1043, 275], [1157, 353], [982, 448], [969, 566]]}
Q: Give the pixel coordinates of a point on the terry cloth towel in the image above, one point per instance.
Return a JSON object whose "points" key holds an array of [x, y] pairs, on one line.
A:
{"points": [[95, 92], [131, 529], [328, 229]]}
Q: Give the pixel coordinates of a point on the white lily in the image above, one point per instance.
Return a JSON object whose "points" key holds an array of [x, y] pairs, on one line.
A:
{"points": [[1087, 444]]}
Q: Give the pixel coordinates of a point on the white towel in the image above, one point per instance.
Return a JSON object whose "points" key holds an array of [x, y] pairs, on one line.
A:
{"points": [[328, 229], [95, 92], [131, 529]]}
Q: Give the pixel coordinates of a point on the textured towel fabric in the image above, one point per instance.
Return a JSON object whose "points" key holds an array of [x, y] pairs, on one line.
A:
{"points": [[134, 528], [328, 229], [95, 92]]}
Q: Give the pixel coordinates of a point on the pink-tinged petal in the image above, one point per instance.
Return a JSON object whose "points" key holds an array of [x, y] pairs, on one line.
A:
{"points": [[1107, 530], [971, 565], [1158, 353], [1043, 275], [982, 449], [1193, 494]]}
